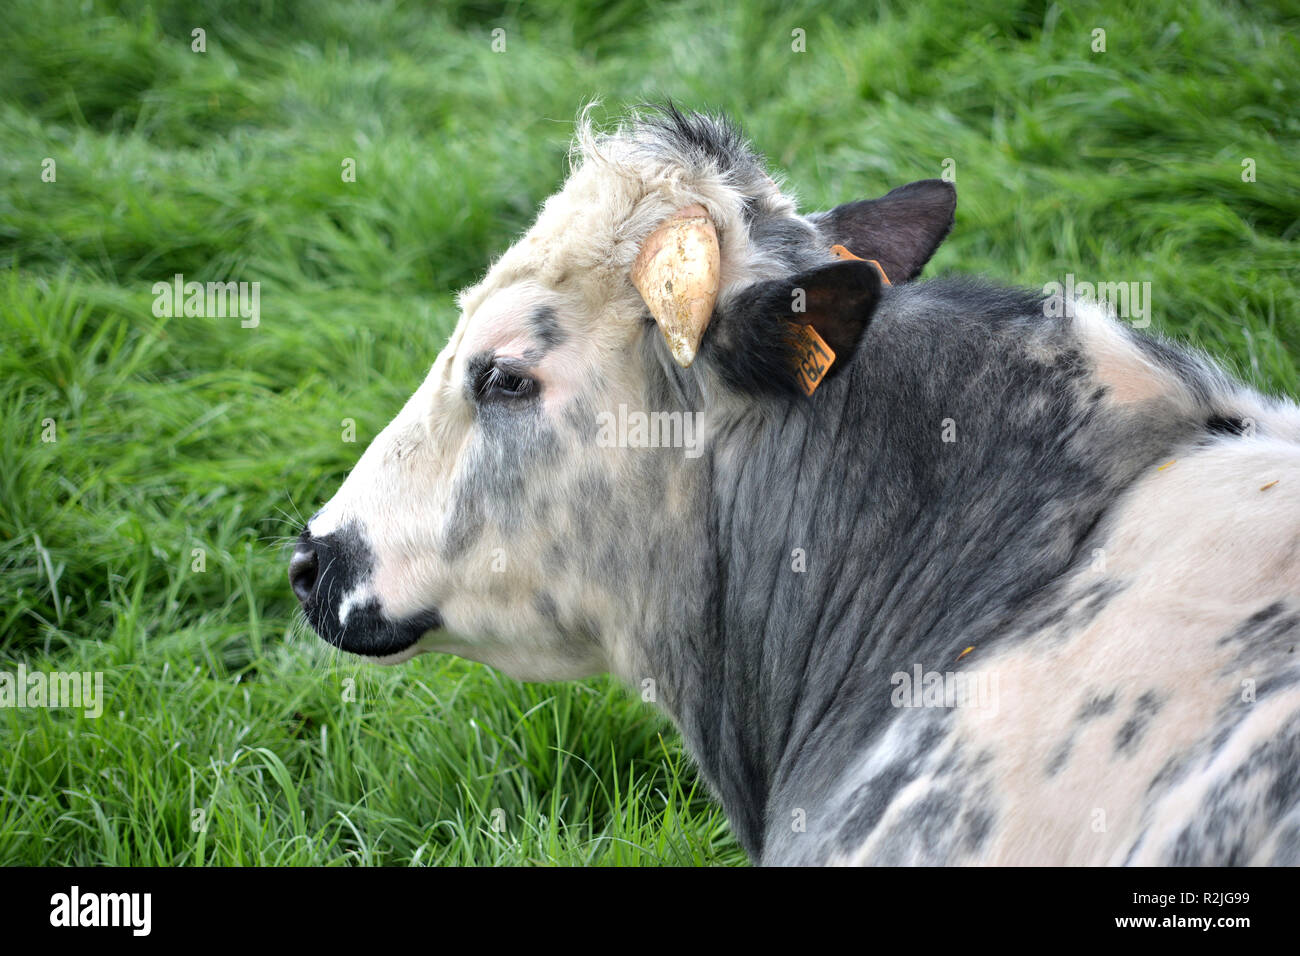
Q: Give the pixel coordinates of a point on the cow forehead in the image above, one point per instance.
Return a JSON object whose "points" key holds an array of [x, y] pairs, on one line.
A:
{"points": [[510, 320], [581, 233]]}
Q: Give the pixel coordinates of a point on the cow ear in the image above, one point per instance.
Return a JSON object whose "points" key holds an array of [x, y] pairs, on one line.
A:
{"points": [[899, 230], [755, 340]]}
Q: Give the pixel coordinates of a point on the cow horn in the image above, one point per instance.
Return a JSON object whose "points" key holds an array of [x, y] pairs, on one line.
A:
{"points": [[676, 273]]}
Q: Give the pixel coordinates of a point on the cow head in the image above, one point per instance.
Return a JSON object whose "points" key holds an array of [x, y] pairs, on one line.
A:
{"points": [[544, 493]]}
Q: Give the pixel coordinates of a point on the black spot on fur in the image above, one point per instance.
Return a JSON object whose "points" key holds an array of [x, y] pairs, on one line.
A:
{"points": [[1059, 756], [1130, 732], [1096, 706], [1265, 626], [1264, 646], [1225, 425], [546, 327]]}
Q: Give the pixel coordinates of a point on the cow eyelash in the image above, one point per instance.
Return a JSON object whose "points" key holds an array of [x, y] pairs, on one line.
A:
{"points": [[498, 382]]}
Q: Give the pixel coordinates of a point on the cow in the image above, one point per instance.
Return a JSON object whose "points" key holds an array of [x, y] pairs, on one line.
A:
{"points": [[925, 572]]}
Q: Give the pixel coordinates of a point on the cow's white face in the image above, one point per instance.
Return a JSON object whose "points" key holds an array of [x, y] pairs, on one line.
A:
{"points": [[487, 519], [444, 536], [493, 518]]}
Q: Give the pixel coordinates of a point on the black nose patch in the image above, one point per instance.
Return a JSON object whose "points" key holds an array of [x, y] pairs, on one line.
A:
{"points": [[324, 571]]}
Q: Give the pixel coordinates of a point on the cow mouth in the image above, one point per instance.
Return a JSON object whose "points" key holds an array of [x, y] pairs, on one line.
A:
{"points": [[368, 633]]}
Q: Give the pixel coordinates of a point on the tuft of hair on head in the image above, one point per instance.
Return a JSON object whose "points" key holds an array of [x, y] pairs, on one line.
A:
{"points": [[659, 141], [699, 141], [585, 145]]}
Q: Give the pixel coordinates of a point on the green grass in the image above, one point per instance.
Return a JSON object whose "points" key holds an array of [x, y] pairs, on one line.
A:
{"points": [[180, 434]]}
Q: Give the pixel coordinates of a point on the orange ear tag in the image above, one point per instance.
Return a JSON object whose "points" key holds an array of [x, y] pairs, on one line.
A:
{"points": [[842, 253], [812, 357]]}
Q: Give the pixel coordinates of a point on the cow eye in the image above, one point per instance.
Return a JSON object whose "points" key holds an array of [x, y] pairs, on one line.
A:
{"points": [[498, 382]]}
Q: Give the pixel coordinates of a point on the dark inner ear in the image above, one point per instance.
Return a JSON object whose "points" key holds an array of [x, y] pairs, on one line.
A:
{"points": [[900, 230], [750, 340]]}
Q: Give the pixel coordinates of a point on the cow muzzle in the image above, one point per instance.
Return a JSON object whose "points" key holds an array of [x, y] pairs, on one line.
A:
{"points": [[329, 576]]}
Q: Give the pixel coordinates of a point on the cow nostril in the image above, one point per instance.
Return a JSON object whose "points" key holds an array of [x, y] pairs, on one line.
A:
{"points": [[303, 568]]}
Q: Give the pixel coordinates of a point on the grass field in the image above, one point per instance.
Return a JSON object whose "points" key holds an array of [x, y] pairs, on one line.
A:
{"points": [[146, 541]]}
